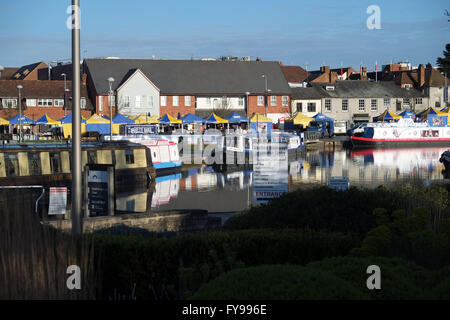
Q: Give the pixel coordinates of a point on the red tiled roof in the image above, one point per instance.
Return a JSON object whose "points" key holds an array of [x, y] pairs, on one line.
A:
{"points": [[294, 73]]}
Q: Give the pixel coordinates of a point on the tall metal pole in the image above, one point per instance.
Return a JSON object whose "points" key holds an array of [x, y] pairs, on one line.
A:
{"points": [[65, 90], [110, 81], [20, 113], [266, 97], [77, 226]]}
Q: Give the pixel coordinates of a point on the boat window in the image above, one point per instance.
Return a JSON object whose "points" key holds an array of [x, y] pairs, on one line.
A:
{"points": [[34, 163], [55, 162], [129, 156], [92, 156], [11, 164]]}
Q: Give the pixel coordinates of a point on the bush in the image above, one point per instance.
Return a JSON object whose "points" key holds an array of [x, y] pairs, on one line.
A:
{"points": [[400, 279], [278, 282], [318, 209], [167, 268]]}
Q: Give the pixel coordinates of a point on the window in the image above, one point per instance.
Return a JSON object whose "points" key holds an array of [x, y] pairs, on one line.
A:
{"points": [[138, 102], [10, 103], [299, 107], [59, 102], [208, 101], [91, 156], [311, 107], [241, 102], [273, 100], [328, 105], [175, 101], [129, 156], [45, 102], [407, 86], [387, 102], [361, 105], [34, 164], [31, 102], [83, 103], [418, 101], [373, 105], [126, 101], [406, 102], [344, 104], [55, 162], [100, 103], [163, 101], [285, 101], [187, 101], [11, 164], [150, 101], [260, 101]]}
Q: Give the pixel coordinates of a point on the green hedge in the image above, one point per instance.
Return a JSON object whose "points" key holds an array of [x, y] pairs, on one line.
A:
{"points": [[343, 211], [168, 268], [333, 278], [278, 282]]}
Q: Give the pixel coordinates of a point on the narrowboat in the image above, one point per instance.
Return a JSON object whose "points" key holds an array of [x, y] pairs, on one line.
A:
{"points": [[49, 164], [164, 153], [403, 133]]}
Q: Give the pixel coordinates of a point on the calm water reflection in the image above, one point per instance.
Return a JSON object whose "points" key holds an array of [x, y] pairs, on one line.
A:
{"points": [[203, 188]]}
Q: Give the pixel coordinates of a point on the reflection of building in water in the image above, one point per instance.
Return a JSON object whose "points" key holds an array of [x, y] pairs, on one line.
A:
{"points": [[368, 166]]}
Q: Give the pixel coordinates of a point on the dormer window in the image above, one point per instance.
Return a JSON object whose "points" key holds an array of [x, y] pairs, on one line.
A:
{"points": [[407, 86]]}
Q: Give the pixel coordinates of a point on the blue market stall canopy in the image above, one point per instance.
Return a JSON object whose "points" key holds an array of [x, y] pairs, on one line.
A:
{"points": [[321, 116], [236, 118], [168, 119], [46, 120], [25, 120], [68, 119], [214, 118], [192, 118], [386, 116], [121, 119], [407, 114]]}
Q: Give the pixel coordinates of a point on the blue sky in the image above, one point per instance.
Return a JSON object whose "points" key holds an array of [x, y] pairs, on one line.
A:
{"points": [[296, 32]]}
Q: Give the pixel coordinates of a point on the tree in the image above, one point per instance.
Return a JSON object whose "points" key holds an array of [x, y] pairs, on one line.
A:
{"points": [[444, 62], [222, 107]]}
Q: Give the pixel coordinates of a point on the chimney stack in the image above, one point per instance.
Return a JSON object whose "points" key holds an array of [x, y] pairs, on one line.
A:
{"points": [[84, 78], [421, 71], [364, 73]]}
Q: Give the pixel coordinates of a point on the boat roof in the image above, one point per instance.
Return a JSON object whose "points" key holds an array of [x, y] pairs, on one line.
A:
{"points": [[84, 145]]}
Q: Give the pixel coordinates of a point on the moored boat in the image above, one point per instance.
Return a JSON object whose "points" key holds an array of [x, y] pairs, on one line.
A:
{"points": [[403, 133]]}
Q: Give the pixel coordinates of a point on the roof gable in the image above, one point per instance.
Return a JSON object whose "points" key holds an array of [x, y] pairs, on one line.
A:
{"points": [[133, 73]]}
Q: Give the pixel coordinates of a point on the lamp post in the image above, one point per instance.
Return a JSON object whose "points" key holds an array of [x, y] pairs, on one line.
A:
{"points": [[265, 94], [20, 87], [110, 81], [65, 90], [248, 119]]}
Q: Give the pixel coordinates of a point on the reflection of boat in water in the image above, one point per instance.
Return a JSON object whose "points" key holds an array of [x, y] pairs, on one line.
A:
{"points": [[403, 133], [403, 159]]}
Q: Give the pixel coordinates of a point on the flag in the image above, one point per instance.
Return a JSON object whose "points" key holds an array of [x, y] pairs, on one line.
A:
{"points": [[342, 73], [376, 66]]}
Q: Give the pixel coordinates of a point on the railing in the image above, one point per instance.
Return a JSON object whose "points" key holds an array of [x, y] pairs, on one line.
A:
{"points": [[28, 187], [310, 136]]}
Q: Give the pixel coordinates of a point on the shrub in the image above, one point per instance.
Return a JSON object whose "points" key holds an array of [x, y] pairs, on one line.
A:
{"points": [[167, 268], [400, 279], [278, 282]]}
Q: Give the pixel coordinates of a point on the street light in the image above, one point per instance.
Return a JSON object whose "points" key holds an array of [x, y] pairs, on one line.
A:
{"points": [[65, 90], [110, 81], [248, 121], [20, 113], [265, 94]]}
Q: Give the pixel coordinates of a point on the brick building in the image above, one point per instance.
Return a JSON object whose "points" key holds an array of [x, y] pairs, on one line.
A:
{"points": [[190, 86], [39, 98]]}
